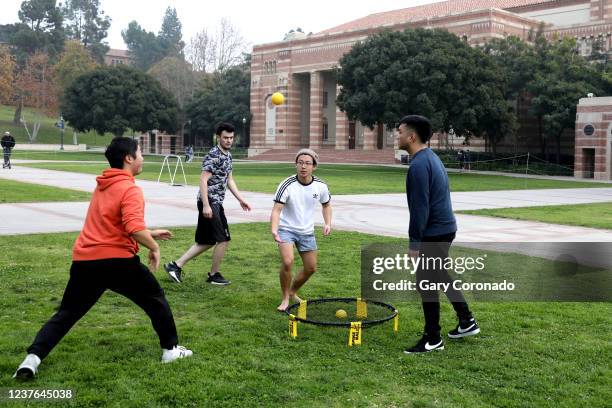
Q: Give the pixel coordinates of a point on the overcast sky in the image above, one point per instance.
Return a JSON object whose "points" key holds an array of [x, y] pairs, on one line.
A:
{"points": [[258, 21]]}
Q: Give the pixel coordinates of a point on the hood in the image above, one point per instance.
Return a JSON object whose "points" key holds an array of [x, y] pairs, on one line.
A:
{"points": [[112, 176]]}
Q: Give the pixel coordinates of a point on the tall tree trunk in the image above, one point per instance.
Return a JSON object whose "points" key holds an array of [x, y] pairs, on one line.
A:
{"points": [[559, 146], [17, 116]]}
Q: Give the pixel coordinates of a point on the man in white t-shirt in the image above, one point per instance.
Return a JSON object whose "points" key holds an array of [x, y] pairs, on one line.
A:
{"points": [[292, 222]]}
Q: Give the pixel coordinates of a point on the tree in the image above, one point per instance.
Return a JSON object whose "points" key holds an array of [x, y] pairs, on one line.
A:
{"points": [[74, 61], [221, 97], [562, 79], [176, 76], [113, 99], [7, 75], [171, 35], [86, 23], [217, 52], [36, 88], [427, 72], [143, 45], [40, 30]]}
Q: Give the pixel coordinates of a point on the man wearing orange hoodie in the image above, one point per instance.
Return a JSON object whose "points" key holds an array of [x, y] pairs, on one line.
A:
{"points": [[105, 257]]}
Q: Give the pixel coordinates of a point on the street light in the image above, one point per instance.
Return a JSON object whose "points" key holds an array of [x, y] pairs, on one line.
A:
{"points": [[61, 125], [244, 128]]}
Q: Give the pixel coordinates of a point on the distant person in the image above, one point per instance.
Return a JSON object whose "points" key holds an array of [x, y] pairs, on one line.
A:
{"points": [[212, 229], [461, 159], [189, 154], [292, 222], [466, 160], [104, 257], [431, 231], [8, 142]]}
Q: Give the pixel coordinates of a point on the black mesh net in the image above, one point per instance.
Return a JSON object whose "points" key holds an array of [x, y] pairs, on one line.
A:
{"points": [[342, 311]]}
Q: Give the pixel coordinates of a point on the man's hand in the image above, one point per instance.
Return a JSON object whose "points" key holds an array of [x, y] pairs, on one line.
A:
{"points": [[161, 234], [413, 253], [207, 211], [154, 257], [326, 230], [277, 237], [245, 206]]}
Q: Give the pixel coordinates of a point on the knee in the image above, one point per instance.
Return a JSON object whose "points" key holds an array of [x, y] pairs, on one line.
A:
{"points": [[287, 263], [309, 270]]}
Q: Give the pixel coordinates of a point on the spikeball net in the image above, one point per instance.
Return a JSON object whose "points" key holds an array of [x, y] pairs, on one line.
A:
{"points": [[352, 313]]}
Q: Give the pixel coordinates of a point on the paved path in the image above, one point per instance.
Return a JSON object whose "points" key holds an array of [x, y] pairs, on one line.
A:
{"points": [[384, 214]]}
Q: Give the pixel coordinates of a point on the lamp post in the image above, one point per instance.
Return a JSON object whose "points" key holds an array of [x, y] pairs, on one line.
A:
{"points": [[191, 138], [62, 127], [243, 129]]}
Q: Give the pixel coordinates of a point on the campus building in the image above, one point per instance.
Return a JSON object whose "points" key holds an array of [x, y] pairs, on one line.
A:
{"points": [[116, 57], [302, 68]]}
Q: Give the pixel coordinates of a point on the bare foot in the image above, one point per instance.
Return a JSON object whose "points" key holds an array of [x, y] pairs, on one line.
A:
{"points": [[283, 306]]}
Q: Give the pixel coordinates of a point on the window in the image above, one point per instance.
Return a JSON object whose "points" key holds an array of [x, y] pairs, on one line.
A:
{"points": [[325, 130], [325, 96]]}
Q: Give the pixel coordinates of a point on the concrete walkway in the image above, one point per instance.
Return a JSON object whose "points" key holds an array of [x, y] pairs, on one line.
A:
{"points": [[383, 214]]}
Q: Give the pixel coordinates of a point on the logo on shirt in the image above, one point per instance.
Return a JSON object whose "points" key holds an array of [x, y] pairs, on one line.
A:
{"points": [[315, 196]]}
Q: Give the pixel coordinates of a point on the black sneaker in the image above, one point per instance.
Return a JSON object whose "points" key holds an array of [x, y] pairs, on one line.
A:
{"points": [[425, 345], [174, 271], [217, 279], [464, 328]]}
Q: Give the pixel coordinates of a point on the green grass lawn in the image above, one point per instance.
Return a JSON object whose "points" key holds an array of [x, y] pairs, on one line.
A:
{"points": [[597, 215], [343, 179], [48, 132], [17, 192], [528, 354]]}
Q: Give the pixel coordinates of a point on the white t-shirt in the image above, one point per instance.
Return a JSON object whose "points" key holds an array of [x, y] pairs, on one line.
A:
{"points": [[299, 200]]}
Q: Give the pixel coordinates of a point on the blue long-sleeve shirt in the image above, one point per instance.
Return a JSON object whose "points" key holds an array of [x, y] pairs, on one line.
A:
{"points": [[429, 202]]}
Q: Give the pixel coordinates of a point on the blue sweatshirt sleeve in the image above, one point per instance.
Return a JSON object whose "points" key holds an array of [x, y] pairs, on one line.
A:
{"points": [[417, 190]]}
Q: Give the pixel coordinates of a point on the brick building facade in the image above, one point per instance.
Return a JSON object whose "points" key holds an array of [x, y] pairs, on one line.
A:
{"points": [[302, 68], [593, 155]]}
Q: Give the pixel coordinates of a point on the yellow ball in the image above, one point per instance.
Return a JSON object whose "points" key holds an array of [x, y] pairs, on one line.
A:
{"points": [[278, 98], [341, 314]]}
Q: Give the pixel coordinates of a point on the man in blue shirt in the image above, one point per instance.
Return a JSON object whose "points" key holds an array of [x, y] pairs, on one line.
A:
{"points": [[431, 232]]}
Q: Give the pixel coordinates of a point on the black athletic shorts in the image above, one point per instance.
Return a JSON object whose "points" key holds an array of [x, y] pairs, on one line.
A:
{"points": [[212, 230]]}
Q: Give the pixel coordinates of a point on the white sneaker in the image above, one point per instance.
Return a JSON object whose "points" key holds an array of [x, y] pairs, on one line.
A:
{"points": [[174, 354], [28, 368]]}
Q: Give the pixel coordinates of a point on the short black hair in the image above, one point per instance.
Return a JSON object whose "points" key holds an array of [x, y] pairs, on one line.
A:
{"points": [[118, 148], [228, 127], [420, 124]]}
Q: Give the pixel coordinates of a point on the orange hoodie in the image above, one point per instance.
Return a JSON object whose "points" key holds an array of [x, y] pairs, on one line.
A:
{"points": [[116, 211]]}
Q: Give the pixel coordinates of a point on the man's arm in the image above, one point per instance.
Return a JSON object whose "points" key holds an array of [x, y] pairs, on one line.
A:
{"points": [[275, 220], [327, 218], [204, 177], [231, 184], [417, 190]]}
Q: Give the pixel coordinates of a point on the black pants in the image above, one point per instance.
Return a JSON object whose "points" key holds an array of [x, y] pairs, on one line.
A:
{"points": [[7, 156], [88, 281], [438, 247]]}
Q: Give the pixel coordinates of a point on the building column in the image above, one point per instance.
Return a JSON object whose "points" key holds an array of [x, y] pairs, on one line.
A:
{"points": [[342, 126], [316, 100], [369, 138]]}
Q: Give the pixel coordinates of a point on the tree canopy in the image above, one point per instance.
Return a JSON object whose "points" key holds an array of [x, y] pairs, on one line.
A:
{"points": [[114, 99], [221, 97], [85, 22], [428, 72]]}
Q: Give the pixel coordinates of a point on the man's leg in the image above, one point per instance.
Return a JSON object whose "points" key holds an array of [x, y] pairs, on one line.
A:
{"points": [[286, 253], [309, 259], [217, 256], [82, 292], [133, 280], [195, 250]]}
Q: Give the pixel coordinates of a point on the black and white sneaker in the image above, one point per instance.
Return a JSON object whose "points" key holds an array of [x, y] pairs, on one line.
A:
{"points": [[464, 328], [217, 279], [425, 345], [28, 368], [174, 271]]}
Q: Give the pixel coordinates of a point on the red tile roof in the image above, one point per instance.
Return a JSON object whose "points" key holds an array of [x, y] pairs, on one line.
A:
{"points": [[429, 10]]}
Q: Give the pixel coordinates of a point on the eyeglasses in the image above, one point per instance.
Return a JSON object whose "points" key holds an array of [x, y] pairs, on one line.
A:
{"points": [[304, 164]]}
